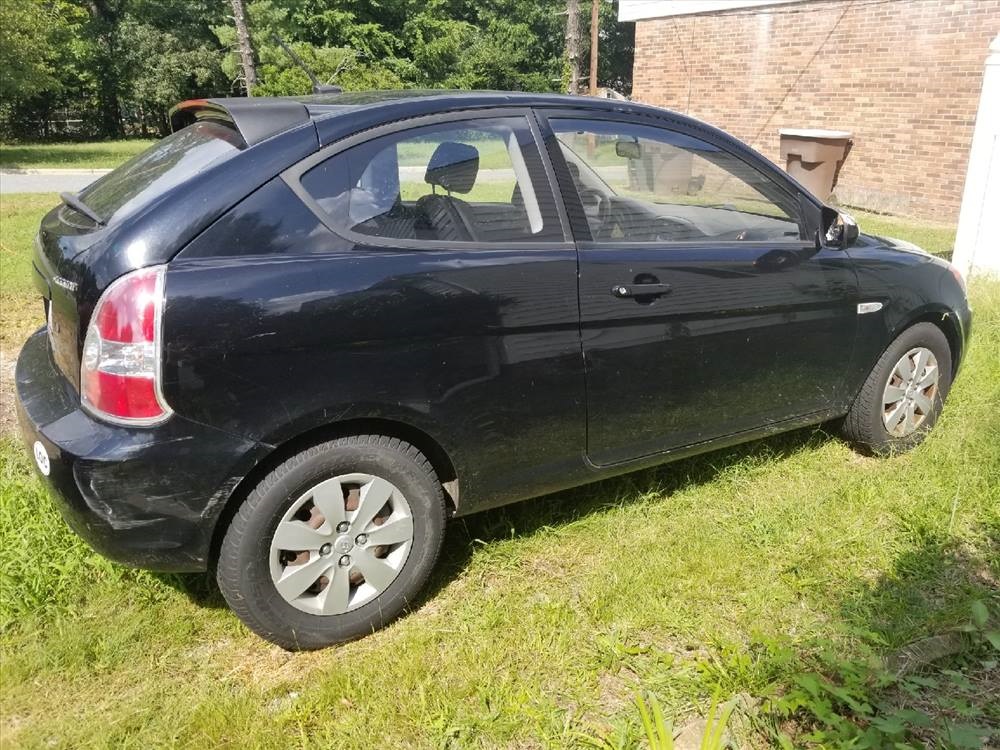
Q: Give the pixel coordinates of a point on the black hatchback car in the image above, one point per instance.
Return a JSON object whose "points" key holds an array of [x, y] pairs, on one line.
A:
{"points": [[292, 339]]}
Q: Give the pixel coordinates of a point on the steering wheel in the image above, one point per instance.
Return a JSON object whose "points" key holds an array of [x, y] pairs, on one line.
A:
{"points": [[597, 207], [674, 229], [751, 235]]}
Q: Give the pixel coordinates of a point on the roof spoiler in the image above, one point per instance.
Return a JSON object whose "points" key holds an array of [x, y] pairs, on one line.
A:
{"points": [[256, 118]]}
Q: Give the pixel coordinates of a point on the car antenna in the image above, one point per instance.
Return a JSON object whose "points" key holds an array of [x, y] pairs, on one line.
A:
{"points": [[317, 87]]}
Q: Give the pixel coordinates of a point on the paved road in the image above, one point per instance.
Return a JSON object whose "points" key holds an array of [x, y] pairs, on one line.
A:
{"points": [[46, 182]]}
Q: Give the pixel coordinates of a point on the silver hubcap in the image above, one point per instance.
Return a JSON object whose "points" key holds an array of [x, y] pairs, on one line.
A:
{"points": [[909, 395], [341, 544]]}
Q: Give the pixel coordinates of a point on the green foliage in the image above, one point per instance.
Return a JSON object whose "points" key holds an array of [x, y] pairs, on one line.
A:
{"points": [[28, 31], [403, 44], [438, 44], [118, 64], [863, 703], [121, 64], [181, 70], [659, 734], [279, 76]]}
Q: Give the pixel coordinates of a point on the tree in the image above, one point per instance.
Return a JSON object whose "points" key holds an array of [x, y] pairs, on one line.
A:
{"points": [[573, 44], [26, 59], [245, 47], [121, 64], [182, 70]]}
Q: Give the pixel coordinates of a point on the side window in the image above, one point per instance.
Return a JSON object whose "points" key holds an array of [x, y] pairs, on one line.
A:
{"points": [[646, 184], [466, 181]]}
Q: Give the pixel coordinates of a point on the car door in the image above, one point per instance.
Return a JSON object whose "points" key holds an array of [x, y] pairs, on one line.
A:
{"points": [[707, 308], [420, 272]]}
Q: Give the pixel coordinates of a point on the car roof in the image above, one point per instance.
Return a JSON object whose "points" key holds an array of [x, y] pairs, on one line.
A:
{"points": [[259, 118], [324, 104]]}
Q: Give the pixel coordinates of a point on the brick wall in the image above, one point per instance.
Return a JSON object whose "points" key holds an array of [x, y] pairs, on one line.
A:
{"points": [[903, 75]]}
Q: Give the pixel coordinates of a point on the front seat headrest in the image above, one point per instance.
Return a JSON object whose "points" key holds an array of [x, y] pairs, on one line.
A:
{"points": [[453, 166]]}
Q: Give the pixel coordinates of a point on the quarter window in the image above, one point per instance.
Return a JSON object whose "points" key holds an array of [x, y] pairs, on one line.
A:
{"points": [[471, 181], [646, 184]]}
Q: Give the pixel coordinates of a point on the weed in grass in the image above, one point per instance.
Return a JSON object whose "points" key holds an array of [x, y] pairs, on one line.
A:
{"points": [[659, 734], [862, 703]]}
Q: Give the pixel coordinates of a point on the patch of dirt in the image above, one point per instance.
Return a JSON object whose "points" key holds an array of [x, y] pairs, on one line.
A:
{"points": [[8, 415], [10, 726], [615, 694], [259, 665], [616, 691]]}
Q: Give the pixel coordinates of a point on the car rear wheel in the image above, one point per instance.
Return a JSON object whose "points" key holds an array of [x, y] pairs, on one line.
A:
{"points": [[334, 543], [904, 394]]}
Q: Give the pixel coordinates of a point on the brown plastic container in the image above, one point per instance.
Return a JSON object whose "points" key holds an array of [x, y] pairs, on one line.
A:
{"points": [[812, 156]]}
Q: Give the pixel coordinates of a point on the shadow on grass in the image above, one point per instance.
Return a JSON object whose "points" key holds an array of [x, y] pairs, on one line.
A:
{"points": [[464, 535], [929, 589], [200, 588], [927, 674]]}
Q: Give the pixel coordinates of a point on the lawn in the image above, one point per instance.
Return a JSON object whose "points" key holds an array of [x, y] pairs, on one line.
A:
{"points": [[756, 574], [101, 155], [934, 238]]}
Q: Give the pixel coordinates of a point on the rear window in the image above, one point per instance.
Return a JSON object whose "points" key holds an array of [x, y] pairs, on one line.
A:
{"points": [[173, 160]]}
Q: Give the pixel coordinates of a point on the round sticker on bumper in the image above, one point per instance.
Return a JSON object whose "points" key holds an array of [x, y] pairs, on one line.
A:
{"points": [[42, 458]]}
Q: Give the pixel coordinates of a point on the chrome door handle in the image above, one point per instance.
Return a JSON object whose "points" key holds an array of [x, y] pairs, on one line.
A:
{"points": [[624, 291]]}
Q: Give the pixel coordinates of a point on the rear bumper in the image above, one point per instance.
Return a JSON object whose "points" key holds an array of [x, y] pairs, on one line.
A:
{"points": [[149, 497]]}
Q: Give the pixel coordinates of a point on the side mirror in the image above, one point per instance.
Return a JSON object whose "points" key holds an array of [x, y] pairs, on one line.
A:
{"points": [[628, 149], [837, 229]]}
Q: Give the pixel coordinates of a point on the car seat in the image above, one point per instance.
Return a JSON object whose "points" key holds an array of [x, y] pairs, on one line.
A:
{"points": [[453, 167]]}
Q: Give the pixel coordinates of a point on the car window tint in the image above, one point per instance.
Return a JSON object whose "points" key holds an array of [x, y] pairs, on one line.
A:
{"points": [[646, 184], [468, 181]]}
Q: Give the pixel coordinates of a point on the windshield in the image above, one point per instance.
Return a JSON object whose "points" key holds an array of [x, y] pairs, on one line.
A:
{"points": [[176, 158]]}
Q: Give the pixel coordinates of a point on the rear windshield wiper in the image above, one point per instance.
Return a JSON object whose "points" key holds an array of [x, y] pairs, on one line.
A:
{"points": [[73, 201]]}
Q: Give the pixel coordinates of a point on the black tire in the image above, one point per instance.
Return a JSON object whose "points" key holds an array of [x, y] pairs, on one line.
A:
{"points": [[243, 568], [864, 427]]}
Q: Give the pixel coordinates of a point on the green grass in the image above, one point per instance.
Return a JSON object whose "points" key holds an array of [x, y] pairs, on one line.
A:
{"points": [[482, 192], [730, 573], [20, 304], [101, 155], [492, 152], [934, 238]]}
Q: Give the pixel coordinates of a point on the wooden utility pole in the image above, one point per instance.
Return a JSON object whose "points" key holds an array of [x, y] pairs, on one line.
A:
{"points": [[246, 46], [594, 24], [573, 44]]}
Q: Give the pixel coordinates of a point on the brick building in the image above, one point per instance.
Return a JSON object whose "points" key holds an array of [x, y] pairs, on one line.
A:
{"points": [[904, 76]]}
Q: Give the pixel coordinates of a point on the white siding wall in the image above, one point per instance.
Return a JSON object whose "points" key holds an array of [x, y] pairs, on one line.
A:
{"points": [[977, 245], [635, 10]]}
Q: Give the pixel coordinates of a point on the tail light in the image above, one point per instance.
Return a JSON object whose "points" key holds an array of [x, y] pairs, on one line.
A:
{"points": [[120, 368]]}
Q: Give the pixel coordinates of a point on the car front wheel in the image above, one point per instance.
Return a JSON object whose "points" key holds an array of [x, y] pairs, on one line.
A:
{"points": [[334, 543], [904, 393]]}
